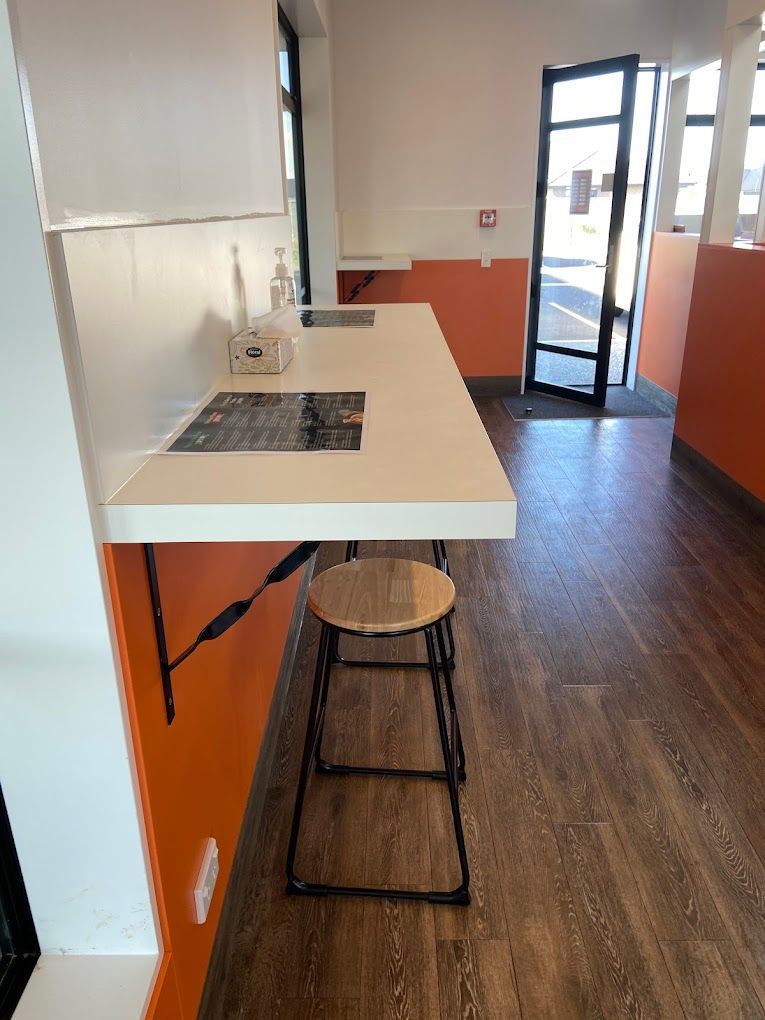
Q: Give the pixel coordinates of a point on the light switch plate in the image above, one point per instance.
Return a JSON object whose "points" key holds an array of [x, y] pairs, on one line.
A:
{"points": [[485, 259], [208, 875]]}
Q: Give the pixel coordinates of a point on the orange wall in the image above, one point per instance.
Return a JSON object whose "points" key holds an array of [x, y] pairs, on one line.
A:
{"points": [[196, 774], [667, 303], [482, 312], [720, 404]]}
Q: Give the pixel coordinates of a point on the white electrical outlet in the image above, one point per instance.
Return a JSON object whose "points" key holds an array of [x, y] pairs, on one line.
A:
{"points": [[485, 259], [208, 875]]}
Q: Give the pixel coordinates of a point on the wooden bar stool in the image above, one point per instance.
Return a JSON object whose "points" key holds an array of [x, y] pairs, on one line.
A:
{"points": [[383, 598], [441, 560]]}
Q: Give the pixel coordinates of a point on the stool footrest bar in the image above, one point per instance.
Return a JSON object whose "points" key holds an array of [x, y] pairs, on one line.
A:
{"points": [[456, 897], [330, 768], [338, 660]]}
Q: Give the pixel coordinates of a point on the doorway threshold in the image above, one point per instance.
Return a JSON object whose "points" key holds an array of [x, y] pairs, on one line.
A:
{"points": [[621, 402]]}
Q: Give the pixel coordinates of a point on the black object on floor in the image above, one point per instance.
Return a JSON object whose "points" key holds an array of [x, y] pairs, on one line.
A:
{"points": [[620, 403]]}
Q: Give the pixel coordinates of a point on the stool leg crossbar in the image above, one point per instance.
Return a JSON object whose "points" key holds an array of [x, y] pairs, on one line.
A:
{"points": [[442, 562], [453, 771]]}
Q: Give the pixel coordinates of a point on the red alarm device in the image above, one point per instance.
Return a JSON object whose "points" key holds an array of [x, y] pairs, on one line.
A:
{"points": [[488, 218]]}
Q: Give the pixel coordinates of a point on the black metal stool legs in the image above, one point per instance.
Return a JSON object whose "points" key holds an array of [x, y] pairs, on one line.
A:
{"points": [[454, 761], [451, 750], [329, 767], [312, 734], [442, 562]]}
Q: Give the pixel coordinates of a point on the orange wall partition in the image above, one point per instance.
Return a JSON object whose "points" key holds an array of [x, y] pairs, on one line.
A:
{"points": [[195, 775], [720, 408], [667, 304], [481, 312]]}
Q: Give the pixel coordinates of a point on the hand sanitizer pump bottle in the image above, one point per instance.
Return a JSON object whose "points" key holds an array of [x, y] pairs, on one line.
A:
{"points": [[282, 284]]}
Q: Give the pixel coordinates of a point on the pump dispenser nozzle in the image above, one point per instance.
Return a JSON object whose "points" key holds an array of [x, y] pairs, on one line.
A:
{"points": [[282, 284]]}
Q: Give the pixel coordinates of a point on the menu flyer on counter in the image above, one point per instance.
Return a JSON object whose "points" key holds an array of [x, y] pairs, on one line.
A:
{"points": [[332, 317], [276, 423]]}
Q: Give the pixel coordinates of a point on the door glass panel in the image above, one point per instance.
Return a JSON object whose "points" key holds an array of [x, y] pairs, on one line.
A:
{"points": [[594, 96], [565, 370], [284, 62], [629, 247], [575, 244], [292, 199]]}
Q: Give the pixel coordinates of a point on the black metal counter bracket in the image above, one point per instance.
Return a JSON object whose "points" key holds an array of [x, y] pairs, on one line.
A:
{"points": [[219, 624], [355, 291]]}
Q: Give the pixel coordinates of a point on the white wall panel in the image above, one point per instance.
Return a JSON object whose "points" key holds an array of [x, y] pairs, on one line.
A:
{"points": [[154, 310], [699, 26], [65, 759], [150, 111], [436, 233]]}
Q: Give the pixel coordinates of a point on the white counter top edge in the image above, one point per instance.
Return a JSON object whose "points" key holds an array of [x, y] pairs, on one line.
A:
{"points": [[266, 522]]}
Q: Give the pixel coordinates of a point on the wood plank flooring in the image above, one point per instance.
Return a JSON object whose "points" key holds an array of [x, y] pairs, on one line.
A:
{"points": [[611, 684]]}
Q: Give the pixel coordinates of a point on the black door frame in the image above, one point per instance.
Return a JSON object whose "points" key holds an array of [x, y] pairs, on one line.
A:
{"points": [[629, 66], [19, 948], [291, 100], [655, 70]]}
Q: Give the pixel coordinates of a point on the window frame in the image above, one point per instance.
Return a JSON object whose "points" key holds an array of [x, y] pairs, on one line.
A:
{"points": [[291, 101], [709, 120]]}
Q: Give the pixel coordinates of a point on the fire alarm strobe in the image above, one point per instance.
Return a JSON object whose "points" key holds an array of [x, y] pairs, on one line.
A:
{"points": [[488, 217]]}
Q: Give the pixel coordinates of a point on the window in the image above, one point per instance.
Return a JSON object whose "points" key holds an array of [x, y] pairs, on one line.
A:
{"points": [[697, 147], [697, 153], [754, 161], [289, 72]]}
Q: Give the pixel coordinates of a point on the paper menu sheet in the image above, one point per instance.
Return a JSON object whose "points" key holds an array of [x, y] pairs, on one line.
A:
{"points": [[276, 423], [333, 317]]}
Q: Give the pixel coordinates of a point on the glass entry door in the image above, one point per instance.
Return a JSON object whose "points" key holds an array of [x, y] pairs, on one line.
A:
{"points": [[586, 128]]}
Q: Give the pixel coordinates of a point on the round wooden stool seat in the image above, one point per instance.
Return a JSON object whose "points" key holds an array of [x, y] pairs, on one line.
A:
{"points": [[381, 596]]}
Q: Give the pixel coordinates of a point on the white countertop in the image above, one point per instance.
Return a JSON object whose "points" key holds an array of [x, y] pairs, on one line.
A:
{"points": [[426, 470]]}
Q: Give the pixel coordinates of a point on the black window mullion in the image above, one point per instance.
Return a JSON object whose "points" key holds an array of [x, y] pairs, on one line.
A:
{"points": [[19, 949], [581, 122], [291, 102]]}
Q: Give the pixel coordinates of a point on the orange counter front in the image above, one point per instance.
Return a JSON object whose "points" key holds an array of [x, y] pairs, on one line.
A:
{"points": [[721, 400], [195, 775]]}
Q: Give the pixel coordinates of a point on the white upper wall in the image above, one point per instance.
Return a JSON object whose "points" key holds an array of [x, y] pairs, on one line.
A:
{"points": [[740, 11], [309, 18], [149, 112], [699, 27], [437, 102]]}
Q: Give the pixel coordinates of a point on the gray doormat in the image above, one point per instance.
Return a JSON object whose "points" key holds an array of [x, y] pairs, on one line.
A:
{"points": [[620, 403]]}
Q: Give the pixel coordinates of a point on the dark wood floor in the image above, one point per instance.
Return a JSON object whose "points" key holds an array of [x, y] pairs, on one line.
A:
{"points": [[611, 684]]}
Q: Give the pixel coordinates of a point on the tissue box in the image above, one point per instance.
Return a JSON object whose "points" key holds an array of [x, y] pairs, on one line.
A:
{"points": [[253, 353]]}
